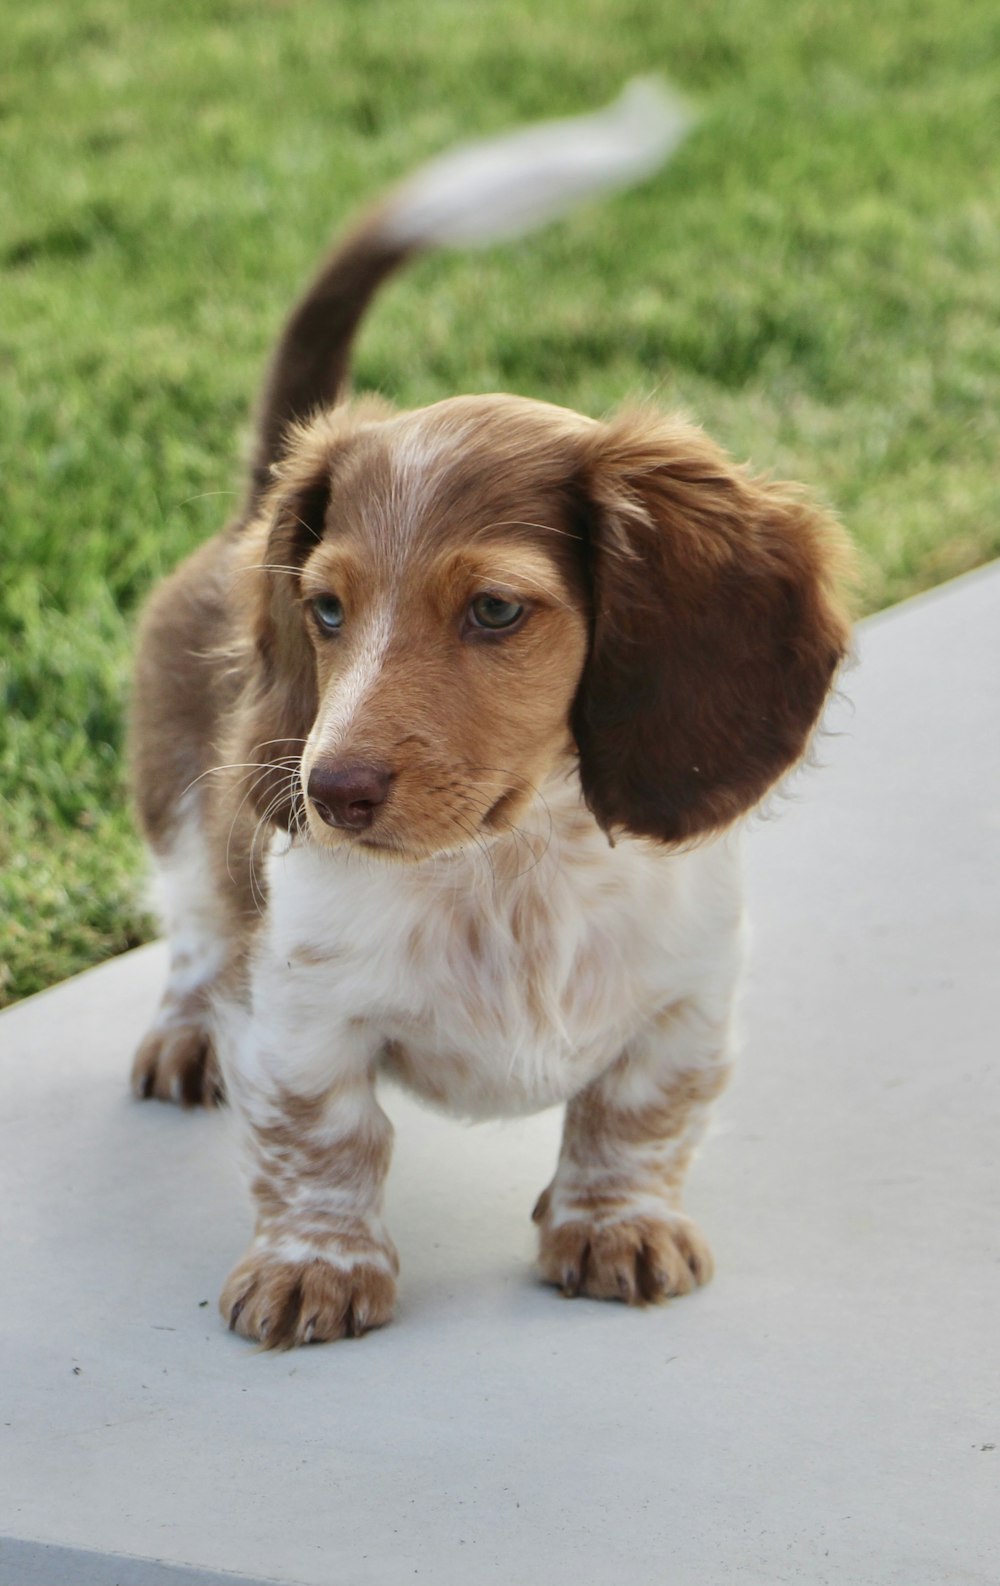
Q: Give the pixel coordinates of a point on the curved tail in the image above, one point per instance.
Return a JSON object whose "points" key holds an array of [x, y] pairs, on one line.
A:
{"points": [[472, 195]]}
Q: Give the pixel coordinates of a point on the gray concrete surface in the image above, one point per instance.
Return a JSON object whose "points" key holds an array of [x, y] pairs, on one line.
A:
{"points": [[826, 1412]]}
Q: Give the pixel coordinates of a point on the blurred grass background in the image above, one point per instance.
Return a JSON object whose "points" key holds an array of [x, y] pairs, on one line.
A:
{"points": [[816, 279]]}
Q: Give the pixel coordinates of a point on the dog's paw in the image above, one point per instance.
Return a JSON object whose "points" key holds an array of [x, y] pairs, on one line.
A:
{"points": [[281, 1303], [177, 1063], [640, 1260]]}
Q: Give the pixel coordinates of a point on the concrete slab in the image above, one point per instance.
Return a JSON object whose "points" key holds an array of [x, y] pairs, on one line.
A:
{"points": [[827, 1411]]}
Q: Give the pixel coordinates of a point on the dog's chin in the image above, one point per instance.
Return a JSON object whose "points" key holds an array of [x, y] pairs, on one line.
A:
{"points": [[389, 848]]}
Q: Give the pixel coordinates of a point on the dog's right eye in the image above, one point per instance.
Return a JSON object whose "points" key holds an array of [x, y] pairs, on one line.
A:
{"points": [[329, 612]]}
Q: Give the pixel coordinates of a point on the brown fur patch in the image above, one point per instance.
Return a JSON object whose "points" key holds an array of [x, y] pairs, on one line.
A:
{"points": [[718, 628], [296, 1150], [597, 1125], [306, 956]]}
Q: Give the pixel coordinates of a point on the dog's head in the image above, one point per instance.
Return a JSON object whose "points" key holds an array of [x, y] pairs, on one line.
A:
{"points": [[455, 603]]}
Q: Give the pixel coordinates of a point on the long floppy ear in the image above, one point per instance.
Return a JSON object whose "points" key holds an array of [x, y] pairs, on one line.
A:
{"points": [[717, 630], [280, 703]]}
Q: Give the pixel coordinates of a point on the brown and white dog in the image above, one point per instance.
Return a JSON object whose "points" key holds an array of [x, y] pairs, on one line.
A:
{"points": [[440, 749]]}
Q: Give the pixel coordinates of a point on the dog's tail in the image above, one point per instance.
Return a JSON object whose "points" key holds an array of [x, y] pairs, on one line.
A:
{"points": [[472, 195]]}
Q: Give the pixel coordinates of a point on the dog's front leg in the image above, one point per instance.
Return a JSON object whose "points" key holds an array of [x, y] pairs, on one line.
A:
{"points": [[611, 1223], [321, 1264]]}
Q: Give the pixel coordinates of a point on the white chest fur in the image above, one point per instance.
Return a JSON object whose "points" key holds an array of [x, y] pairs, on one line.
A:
{"points": [[490, 991]]}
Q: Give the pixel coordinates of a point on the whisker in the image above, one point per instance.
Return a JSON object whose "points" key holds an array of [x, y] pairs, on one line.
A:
{"points": [[288, 780], [526, 523], [205, 495], [236, 765], [483, 847], [269, 567], [537, 855], [241, 765], [515, 831], [256, 891], [239, 810], [308, 528]]}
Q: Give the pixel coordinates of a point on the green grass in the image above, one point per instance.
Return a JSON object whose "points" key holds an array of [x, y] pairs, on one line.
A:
{"points": [[816, 278]]}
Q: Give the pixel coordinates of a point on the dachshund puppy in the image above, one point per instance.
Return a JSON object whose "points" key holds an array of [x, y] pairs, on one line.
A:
{"points": [[440, 750]]}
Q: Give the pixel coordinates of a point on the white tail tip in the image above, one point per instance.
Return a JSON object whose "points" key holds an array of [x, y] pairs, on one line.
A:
{"points": [[502, 187]]}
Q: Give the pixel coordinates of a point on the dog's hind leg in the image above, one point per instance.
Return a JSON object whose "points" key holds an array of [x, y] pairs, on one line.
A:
{"points": [[181, 696], [176, 1060]]}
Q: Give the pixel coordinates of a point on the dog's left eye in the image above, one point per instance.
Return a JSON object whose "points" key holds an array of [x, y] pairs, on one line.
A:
{"points": [[491, 611], [329, 612]]}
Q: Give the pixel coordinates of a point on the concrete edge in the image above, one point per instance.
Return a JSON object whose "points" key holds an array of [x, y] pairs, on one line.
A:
{"points": [[27, 1563]]}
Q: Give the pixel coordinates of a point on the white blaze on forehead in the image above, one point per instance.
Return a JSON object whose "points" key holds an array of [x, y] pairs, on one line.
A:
{"points": [[422, 450], [345, 697]]}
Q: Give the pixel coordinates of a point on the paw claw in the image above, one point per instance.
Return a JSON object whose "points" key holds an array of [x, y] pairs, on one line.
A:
{"points": [[178, 1064], [282, 1303], [639, 1262], [237, 1310]]}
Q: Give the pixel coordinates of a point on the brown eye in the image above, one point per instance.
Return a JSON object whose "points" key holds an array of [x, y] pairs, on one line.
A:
{"points": [[491, 611], [329, 613]]}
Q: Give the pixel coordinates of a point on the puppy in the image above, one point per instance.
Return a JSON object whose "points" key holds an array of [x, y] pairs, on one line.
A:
{"points": [[439, 749]]}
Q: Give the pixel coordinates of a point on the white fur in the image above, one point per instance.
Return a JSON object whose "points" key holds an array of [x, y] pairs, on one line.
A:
{"points": [[419, 453], [619, 936], [291, 1248], [562, 1209], [504, 186], [187, 901]]}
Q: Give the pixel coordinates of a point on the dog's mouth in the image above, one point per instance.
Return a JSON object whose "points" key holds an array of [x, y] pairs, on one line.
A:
{"points": [[384, 807], [394, 839]]}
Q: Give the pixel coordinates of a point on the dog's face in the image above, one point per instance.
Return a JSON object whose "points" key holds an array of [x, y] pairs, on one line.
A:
{"points": [[448, 623], [455, 603]]}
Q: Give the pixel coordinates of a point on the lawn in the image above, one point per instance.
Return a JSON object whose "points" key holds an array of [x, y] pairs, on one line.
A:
{"points": [[816, 278]]}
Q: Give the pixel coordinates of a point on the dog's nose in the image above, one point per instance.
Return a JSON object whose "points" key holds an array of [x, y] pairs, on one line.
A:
{"points": [[348, 795]]}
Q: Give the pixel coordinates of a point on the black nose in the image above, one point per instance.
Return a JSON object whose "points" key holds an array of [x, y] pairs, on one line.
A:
{"points": [[348, 795]]}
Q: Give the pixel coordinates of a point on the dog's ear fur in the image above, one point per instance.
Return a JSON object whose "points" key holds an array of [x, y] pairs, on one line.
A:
{"points": [[717, 630], [281, 702]]}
